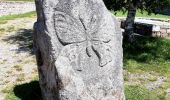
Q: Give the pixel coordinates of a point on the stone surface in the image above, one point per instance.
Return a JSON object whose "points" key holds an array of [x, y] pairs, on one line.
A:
{"points": [[78, 46]]}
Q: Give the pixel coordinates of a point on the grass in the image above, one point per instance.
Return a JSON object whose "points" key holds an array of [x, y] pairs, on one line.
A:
{"points": [[5, 19], [18, 67], [139, 14], [2, 30], [139, 93], [165, 85], [152, 78], [147, 54], [20, 77], [10, 29], [11, 96], [7, 89], [134, 92], [26, 91]]}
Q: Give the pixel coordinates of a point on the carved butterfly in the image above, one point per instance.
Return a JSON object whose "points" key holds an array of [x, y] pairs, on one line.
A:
{"points": [[70, 30]]}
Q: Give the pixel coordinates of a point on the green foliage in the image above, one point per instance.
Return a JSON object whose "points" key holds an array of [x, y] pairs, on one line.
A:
{"points": [[151, 6], [115, 5], [147, 54]]}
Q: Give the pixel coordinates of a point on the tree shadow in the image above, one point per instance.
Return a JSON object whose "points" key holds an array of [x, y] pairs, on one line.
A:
{"points": [[147, 49], [28, 91], [24, 39]]}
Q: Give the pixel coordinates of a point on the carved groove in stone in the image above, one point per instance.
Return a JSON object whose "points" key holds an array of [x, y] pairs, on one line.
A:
{"points": [[70, 30]]}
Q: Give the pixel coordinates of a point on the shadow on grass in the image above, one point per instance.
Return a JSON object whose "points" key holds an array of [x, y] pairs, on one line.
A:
{"points": [[147, 54], [28, 91], [147, 49], [23, 38]]}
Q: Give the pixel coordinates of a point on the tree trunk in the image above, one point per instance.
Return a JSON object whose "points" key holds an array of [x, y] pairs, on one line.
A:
{"points": [[130, 19], [78, 46]]}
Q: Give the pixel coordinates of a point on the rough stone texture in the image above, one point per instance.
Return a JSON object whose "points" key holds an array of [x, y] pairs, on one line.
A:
{"points": [[78, 46], [11, 7]]}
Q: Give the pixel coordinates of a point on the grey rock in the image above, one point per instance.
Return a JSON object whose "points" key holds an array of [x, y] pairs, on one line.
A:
{"points": [[78, 45]]}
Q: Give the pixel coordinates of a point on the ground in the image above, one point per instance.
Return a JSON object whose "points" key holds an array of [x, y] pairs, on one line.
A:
{"points": [[147, 67], [17, 61]]}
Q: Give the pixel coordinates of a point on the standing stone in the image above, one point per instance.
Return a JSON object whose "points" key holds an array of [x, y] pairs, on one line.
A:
{"points": [[78, 46]]}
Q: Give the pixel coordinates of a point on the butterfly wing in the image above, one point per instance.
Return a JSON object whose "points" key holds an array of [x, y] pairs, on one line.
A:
{"points": [[102, 40], [109, 27], [68, 29]]}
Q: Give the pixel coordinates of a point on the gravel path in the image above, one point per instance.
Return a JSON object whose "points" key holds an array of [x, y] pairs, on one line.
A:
{"points": [[8, 8]]}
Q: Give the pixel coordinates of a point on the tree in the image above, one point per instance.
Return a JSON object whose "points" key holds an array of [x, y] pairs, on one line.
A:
{"points": [[78, 46], [151, 6]]}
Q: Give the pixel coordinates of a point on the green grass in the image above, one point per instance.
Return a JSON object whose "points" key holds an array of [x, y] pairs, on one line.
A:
{"points": [[11, 96], [27, 91], [139, 14], [147, 54], [141, 93], [5, 19]]}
